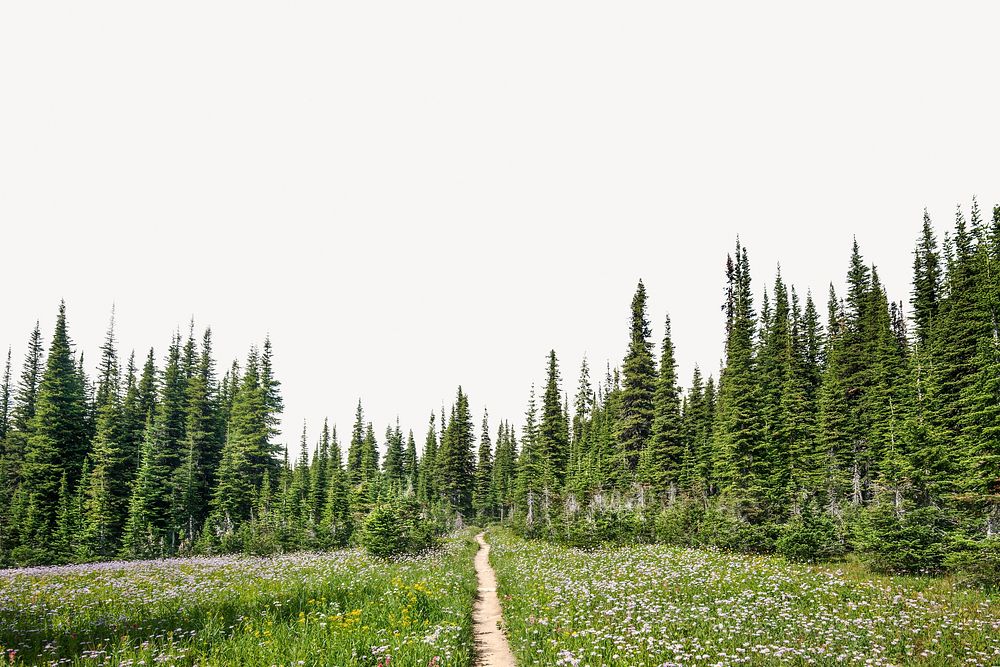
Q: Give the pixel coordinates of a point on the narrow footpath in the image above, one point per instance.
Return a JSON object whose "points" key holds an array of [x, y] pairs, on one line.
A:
{"points": [[492, 648]]}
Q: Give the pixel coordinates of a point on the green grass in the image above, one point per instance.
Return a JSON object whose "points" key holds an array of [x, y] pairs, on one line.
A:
{"points": [[658, 605], [338, 608]]}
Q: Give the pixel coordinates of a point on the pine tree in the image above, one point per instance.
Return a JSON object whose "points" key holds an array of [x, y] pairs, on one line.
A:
{"points": [[336, 525], [271, 388], [427, 487], [393, 464], [354, 451], [530, 464], [369, 456], [580, 440], [56, 441], [835, 422], [171, 404], [926, 295], [738, 436], [483, 492], [457, 461], [663, 457], [635, 419], [147, 529], [410, 465], [107, 487], [505, 470], [5, 404], [299, 489], [799, 408], [553, 447], [319, 475], [201, 448], [31, 378], [248, 451]]}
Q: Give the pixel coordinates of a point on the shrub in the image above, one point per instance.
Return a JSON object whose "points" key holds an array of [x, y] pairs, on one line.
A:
{"points": [[910, 540], [397, 528], [722, 527], [976, 563], [679, 524], [809, 537], [382, 534]]}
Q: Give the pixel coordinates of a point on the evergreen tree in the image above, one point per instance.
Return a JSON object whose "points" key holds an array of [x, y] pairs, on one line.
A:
{"points": [[505, 470], [147, 531], [393, 464], [31, 378], [57, 439], [248, 451], [319, 475], [427, 487], [635, 418], [354, 451], [107, 487], [553, 447], [662, 458], [410, 465], [483, 492], [5, 404], [530, 463], [926, 295], [336, 525], [740, 462], [457, 461]]}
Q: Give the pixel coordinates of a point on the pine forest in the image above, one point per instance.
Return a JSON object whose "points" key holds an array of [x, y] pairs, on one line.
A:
{"points": [[842, 422]]}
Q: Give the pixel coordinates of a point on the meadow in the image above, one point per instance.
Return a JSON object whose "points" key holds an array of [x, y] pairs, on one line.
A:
{"points": [[337, 608], [657, 605]]}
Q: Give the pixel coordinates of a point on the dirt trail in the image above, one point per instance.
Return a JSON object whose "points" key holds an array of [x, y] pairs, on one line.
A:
{"points": [[491, 643]]}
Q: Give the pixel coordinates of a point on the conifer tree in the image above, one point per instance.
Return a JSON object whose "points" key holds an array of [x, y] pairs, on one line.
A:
{"points": [[505, 470], [248, 451], [147, 529], [483, 492], [553, 447], [369, 456], [926, 295], [393, 464], [635, 418], [427, 487], [336, 525], [107, 488], [56, 441], [410, 465], [530, 463], [835, 423], [356, 447], [456, 457], [31, 378], [662, 458], [740, 464], [319, 475], [801, 475], [5, 404], [299, 489]]}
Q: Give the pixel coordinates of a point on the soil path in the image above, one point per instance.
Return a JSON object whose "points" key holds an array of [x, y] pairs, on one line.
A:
{"points": [[491, 643]]}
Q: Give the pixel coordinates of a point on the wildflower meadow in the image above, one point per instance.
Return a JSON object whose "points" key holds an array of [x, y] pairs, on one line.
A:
{"points": [[658, 605], [337, 608]]}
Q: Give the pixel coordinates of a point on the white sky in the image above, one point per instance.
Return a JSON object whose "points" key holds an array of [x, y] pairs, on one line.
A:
{"points": [[409, 196]]}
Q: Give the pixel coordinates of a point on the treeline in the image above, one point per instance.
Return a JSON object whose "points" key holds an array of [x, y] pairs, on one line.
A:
{"points": [[158, 461], [865, 430], [870, 427]]}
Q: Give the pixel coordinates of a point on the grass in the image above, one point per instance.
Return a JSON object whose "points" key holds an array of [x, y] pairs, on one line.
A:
{"points": [[659, 605], [338, 608]]}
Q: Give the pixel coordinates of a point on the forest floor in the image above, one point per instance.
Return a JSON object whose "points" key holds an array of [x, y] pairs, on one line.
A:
{"points": [[492, 648]]}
